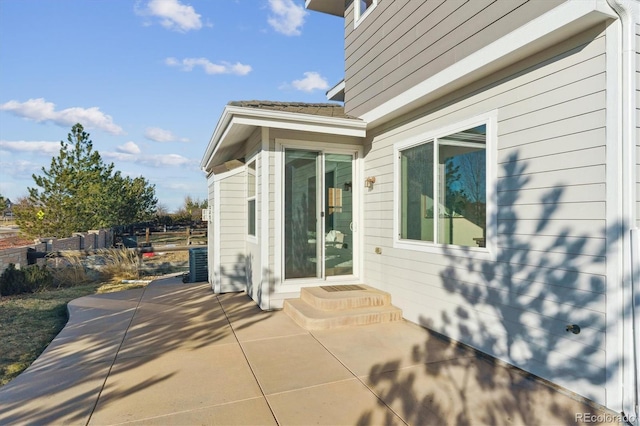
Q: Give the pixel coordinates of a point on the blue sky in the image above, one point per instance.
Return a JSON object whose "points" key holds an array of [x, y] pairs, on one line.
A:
{"points": [[148, 79]]}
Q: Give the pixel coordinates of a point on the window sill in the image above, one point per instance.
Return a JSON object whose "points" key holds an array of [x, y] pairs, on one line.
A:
{"points": [[477, 253]]}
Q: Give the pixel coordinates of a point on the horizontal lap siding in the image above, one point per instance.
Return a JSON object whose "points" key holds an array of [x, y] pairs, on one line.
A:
{"points": [[233, 231], [550, 263], [403, 42]]}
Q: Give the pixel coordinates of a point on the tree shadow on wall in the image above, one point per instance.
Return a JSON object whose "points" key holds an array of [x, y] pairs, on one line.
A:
{"points": [[549, 274]]}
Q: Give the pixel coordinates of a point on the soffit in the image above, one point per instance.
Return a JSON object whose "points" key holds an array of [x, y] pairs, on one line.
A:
{"points": [[237, 123]]}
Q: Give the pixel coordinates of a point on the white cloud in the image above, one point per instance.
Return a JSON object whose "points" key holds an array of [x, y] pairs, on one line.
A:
{"points": [[185, 187], [38, 147], [188, 64], [157, 160], [160, 135], [129, 148], [167, 160], [40, 110], [21, 169], [286, 17], [172, 14], [311, 81]]}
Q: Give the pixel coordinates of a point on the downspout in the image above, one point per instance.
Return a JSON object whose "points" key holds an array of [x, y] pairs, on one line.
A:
{"points": [[628, 12]]}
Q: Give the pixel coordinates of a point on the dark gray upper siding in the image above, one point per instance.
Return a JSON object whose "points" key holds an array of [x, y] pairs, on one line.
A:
{"points": [[404, 42]]}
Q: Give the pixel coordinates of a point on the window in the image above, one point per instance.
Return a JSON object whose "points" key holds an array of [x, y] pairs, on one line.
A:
{"points": [[443, 189], [251, 198], [362, 8]]}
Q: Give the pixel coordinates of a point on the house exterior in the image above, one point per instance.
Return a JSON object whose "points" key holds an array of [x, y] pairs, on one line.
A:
{"points": [[484, 170]]}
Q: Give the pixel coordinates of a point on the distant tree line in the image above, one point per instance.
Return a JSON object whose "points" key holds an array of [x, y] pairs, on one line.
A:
{"points": [[189, 213]]}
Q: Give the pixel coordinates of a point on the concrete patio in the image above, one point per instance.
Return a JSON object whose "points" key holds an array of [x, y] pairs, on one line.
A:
{"points": [[175, 353]]}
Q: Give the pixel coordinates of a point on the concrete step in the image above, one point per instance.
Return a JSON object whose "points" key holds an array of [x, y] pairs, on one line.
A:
{"points": [[326, 307], [331, 298]]}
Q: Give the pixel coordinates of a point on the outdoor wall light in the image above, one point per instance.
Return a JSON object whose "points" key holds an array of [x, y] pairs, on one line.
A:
{"points": [[574, 328], [368, 183]]}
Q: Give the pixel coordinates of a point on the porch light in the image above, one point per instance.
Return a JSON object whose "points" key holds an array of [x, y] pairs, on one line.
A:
{"points": [[368, 183]]}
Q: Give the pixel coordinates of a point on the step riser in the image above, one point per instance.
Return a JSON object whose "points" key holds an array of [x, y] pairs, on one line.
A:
{"points": [[338, 321], [321, 308], [345, 303]]}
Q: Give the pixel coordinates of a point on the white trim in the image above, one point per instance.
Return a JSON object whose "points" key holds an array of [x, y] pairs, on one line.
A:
{"points": [[253, 239], [623, 342], [335, 91], [211, 231], [484, 253], [613, 232], [278, 258], [559, 23], [216, 284], [359, 17], [266, 275]]}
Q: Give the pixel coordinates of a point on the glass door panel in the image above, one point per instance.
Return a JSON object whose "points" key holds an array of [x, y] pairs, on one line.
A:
{"points": [[338, 214], [301, 234]]}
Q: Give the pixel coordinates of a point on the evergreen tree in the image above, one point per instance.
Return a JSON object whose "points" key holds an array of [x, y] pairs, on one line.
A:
{"points": [[80, 192], [3, 204]]}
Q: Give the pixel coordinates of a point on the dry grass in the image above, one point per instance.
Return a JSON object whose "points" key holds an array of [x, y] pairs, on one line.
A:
{"points": [[29, 322], [75, 268]]}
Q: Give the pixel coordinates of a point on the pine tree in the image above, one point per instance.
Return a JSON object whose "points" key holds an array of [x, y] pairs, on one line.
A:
{"points": [[80, 192]]}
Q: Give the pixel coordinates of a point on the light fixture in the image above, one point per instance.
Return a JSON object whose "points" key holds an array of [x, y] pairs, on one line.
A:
{"points": [[368, 183]]}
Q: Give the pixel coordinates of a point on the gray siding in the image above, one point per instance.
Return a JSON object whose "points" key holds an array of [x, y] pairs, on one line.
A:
{"points": [[403, 42], [549, 269], [233, 232]]}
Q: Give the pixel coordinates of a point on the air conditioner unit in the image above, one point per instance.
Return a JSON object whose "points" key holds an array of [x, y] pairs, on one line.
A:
{"points": [[198, 267]]}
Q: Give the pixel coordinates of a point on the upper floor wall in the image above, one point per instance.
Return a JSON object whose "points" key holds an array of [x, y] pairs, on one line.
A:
{"points": [[400, 43]]}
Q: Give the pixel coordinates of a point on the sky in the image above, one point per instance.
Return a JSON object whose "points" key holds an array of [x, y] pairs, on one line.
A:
{"points": [[148, 79]]}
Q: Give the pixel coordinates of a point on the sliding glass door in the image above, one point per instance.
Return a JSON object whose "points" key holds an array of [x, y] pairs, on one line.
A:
{"points": [[301, 214], [318, 214]]}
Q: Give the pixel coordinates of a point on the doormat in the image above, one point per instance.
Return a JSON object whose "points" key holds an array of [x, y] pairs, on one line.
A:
{"points": [[342, 287]]}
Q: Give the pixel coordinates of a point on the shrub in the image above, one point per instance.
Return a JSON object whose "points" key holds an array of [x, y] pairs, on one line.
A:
{"points": [[28, 280], [12, 281], [38, 278]]}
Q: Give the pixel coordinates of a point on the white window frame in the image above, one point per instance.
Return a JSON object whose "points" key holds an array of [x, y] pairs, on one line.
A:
{"points": [[252, 237], [489, 251], [358, 15]]}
